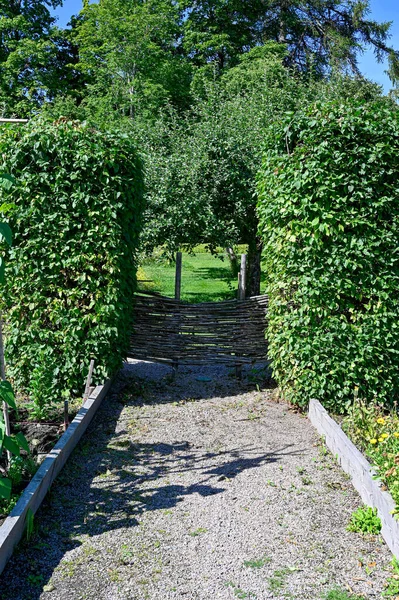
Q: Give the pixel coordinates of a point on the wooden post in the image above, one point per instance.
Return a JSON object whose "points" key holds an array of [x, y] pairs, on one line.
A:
{"points": [[88, 382], [242, 277], [179, 258], [66, 414], [242, 282], [178, 276], [3, 377]]}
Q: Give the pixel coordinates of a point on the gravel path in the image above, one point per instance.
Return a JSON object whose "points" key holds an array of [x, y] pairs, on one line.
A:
{"points": [[196, 490]]}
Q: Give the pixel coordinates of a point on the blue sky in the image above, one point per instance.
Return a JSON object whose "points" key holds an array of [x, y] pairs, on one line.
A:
{"points": [[382, 10]]}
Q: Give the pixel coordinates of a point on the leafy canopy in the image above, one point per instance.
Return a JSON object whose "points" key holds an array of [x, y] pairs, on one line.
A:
{"points": [[131, 63], [329, 218], [34, 56], [72, 266]]}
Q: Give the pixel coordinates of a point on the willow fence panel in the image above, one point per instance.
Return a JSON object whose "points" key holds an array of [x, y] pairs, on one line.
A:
{"points": [[172, 331]]}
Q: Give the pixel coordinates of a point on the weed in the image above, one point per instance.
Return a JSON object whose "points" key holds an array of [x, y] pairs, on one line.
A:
{"points": [[392, 585], [340, 594], [197, 532], [257, 563], [113, 575], [35, 580], [29, 524], [253, 416], [278, 580], [238, 592], [306, 481], [276, 583], [365, 520]]}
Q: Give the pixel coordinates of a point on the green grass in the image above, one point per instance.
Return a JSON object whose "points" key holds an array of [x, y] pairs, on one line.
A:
{"points": [[205, 277]]}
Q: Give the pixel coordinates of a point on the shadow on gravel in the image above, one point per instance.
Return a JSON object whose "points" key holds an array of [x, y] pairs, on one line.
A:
{"points": [[110, 482], [160, 384]]}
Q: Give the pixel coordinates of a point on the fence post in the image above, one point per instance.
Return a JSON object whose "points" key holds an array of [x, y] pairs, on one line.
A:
{"points": [[175, 363], [66, 414], [88, 382], [242, 283], [178, 276], [6, 414], [242, 277]]}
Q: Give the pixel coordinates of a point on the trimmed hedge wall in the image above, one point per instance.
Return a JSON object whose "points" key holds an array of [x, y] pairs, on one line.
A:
{"points": [[329, 217], [71, 269]]}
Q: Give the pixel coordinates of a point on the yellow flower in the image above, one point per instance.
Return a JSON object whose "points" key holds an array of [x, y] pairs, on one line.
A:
{"points": [[396, 434], [381, 421], [385, 436], [381, 439], [373, 441]]}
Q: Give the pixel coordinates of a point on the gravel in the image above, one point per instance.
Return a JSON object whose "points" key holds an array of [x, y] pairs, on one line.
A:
{"points": [[200, 488]]}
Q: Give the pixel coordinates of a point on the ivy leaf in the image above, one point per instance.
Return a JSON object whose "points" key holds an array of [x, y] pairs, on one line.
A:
{"points": [[5, 488], [7, 394], [22, 442], [6, 181], [11, 445], [6, 233]]}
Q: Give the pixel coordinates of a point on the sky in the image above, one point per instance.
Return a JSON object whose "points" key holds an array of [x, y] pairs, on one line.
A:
{"points": [[381, 10]]}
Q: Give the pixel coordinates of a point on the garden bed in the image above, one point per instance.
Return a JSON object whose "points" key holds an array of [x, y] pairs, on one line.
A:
{"points": [[15, 524], [364, 477]]}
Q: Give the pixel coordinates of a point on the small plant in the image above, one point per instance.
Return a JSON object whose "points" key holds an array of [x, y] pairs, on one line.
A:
{"points": [[21, 468], [306, 480], [365, 520], [375, 430], [198, 532], [340, 594], [30, 524], [36, 580], [257, 563], [392, 585], [278, 580], [239, 593]]}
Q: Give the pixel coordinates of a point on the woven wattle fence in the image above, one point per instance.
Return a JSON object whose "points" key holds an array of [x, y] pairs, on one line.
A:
{"points": [[168, 330]]}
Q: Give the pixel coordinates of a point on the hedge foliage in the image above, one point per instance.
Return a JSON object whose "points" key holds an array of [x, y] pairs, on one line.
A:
{"points": [[76, 221], [329, 214]]}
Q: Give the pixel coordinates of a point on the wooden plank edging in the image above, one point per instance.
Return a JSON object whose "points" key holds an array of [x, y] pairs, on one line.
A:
{"points": [[361, 472], [14, 526]]}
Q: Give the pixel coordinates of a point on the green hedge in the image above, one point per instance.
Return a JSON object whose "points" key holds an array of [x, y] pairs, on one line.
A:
{"points": [[329, 214], [72, 268]]}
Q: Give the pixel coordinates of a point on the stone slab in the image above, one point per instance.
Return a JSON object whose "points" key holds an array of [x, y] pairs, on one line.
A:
{"points": [[14, 526], [361, 472]]}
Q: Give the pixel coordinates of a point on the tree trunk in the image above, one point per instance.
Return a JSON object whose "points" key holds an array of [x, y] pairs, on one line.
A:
{"points": [[234, 266], [254, 267]]}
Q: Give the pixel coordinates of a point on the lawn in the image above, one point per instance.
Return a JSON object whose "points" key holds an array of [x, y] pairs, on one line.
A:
{"points": [[205, 277]]}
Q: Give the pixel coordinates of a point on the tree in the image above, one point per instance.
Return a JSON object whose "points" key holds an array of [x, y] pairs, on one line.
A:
{"points": [[201, 169], [34, 55], [318, 34], [128, 53]]}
